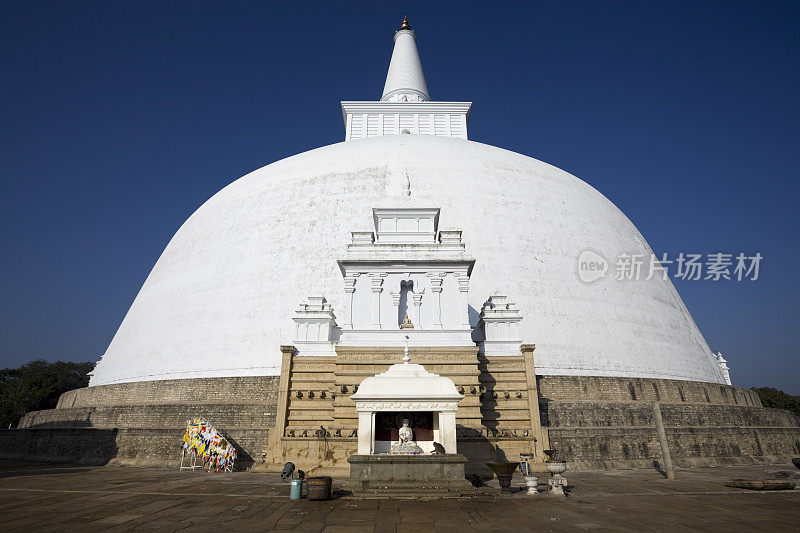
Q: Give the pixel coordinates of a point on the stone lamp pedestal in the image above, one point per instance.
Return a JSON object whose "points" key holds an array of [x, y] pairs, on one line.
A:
{"points": [[531, 480], [504, 472], [533, 484], [557, 482]]}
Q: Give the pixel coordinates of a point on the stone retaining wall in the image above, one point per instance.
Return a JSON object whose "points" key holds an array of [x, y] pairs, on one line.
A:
{"points": [[241, 390], [636, 414], [609, 389], [601, 422], [59, 445], [146, 420], [130, 446], [594, 422], [154, 416], [630, 447]]}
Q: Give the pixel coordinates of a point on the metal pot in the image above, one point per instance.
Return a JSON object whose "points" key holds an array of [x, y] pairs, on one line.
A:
{"points": [[318, 488]]}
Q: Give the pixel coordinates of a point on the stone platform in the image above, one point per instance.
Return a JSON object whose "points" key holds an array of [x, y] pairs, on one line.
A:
{"points": [[408, 476]]}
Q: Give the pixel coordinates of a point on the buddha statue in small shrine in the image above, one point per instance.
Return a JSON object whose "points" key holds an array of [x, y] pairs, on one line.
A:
{"points": [[406, 433], [405, 444]]}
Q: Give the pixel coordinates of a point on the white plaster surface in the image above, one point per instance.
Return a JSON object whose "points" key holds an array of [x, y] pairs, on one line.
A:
{"points": [[220, 299]]}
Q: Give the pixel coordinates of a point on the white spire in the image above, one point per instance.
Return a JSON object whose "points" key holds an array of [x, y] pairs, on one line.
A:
{"points": [[405, 81], [406, 107]]}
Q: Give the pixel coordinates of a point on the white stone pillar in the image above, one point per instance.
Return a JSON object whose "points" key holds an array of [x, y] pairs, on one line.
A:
{"points": [[366, 424], [447, 431], [396, 304], [377, 288], [436, 288], [418, 309], [463, 299], [349, 290]]}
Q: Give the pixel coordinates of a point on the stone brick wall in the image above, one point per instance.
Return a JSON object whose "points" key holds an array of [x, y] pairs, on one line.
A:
{"points": [[600, 422], [635, 414], [626, 447], [593, 422], [145, 421], [154, 416], [610, 389], [72, 445], [241, 390], [93, 446]]}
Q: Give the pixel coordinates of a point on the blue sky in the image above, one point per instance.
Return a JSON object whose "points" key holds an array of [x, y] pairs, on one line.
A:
{"points": [[119, 119]]}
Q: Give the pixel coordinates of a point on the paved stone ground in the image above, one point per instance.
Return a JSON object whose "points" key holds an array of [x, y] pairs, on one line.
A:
{"points": [[38, 497]]}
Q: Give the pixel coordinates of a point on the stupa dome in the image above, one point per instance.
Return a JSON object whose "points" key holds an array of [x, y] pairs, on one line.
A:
{"points": [[220, 298]]}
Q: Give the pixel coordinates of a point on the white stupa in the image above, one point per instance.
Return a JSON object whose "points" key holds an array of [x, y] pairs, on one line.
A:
{"points": [[219, 302]]}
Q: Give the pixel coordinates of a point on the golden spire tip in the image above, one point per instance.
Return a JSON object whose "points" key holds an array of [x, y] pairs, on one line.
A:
{"points": [[405, 25]]}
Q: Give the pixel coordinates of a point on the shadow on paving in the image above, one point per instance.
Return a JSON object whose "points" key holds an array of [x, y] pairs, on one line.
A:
{"points": [[37, 469]]}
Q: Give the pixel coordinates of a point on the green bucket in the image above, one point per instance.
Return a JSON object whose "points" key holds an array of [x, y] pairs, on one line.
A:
{"points": [[295, 489]]}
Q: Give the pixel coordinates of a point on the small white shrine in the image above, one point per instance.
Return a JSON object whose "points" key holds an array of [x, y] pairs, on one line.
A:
{"points": [[315, 326], [407, 282], [397, 395], [406, 267], [500, 319]]}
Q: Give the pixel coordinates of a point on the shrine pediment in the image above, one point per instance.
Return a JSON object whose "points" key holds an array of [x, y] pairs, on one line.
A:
{"points": [[406, 225]]}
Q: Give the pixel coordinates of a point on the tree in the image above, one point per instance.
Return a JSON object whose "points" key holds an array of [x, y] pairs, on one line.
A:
{"points": [[37, 385], [778, 399]]}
